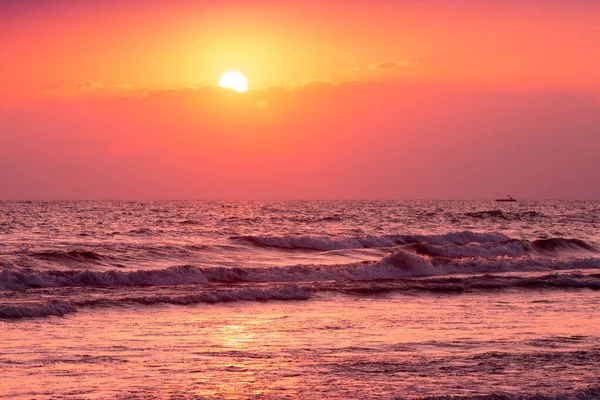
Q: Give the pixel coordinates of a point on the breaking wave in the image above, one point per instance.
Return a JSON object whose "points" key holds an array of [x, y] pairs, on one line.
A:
{"points": [[401, 264], [451, 263], [456, 244]]}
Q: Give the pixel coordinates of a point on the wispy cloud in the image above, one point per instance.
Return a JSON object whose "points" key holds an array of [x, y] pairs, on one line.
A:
{"points": [[92, 87], [385, 65], [72, 88]]}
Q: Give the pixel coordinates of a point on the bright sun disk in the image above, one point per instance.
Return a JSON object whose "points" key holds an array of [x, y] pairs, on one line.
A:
{"points": [[234, 80]]}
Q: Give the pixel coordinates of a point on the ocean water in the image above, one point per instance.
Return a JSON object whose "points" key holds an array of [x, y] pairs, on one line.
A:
{"points": [[306, 299]]}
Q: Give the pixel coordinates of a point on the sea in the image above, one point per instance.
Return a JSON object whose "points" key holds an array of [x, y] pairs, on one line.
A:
{"points": [[300, 300]]}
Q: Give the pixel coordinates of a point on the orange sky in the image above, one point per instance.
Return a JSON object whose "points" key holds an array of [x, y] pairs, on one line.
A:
{"points": [[158, 43], [367, 99]]}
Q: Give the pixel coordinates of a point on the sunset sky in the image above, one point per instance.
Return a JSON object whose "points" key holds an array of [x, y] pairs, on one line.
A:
{"points": [[376, 99]]}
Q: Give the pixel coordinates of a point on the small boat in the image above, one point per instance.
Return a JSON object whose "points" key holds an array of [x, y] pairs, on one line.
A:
{"points": [[507, 198]]}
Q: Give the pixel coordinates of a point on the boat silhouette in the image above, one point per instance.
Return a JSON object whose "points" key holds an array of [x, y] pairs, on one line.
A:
{"points": [[507, 198]]}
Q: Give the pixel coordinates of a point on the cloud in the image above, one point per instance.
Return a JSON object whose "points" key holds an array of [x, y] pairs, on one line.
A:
{"points": [[94, 88], [100, 90], [386, 65], [292, 86], [169, 91], [73, 88], [120, 87]]}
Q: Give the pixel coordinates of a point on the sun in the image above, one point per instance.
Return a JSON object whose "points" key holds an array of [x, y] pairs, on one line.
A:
{"points": [[234, 80]]}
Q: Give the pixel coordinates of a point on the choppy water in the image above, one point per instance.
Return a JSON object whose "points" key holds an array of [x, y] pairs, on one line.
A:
{"points": [[337, 299]]}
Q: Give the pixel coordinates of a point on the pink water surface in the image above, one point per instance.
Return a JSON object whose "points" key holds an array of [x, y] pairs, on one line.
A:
{"points": [[335, 346]]}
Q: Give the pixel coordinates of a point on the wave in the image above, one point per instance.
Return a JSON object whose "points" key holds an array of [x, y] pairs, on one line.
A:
{"points": [[479, 283], [291, 292], [434, 248], [61, 308], [401, 264], [68, 256], [45, 309], [510, 248], [15, 280], [325, 243], [114, 254], [414, 266], [454, 245], [514, 248], [144, 232], [555, 245], [298, 291]]}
